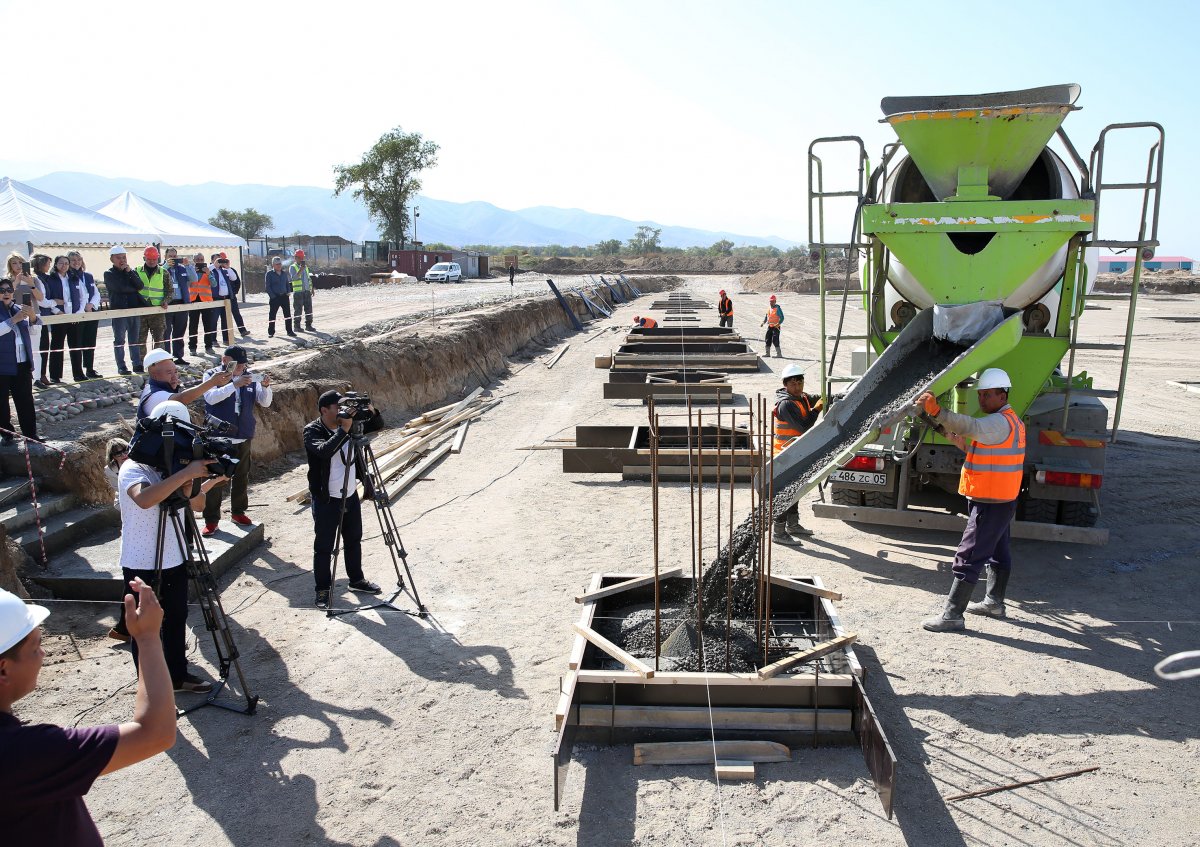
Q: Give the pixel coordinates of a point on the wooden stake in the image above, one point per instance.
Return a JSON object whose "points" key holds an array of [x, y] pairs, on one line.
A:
{"points": [[640, 667], [983, 792]]}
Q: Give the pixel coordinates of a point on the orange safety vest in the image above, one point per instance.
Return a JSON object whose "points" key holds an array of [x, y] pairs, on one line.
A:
{"points": [[773, 317], [649, 323], [785, 433], [201, 289], [992, 472], [725, 308]]}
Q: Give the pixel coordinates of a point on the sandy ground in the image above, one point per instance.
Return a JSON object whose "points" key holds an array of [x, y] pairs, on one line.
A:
{"points": [[380, 729]]}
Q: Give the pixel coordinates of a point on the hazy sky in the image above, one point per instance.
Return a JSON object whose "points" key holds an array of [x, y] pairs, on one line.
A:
{"points": [[687, 113]]}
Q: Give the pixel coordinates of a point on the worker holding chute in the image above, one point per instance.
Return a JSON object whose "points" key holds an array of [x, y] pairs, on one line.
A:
{"points": [[795, 413]]}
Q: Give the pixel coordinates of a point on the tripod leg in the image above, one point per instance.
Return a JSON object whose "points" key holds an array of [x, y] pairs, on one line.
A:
{"points": [[391, 535]]}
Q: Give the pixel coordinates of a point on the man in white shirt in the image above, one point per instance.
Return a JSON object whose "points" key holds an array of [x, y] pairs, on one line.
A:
{"points": [[140, 491]]}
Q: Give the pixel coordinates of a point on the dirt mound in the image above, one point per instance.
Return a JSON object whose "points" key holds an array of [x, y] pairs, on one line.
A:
{"points": [[797, 281], [1159, 282]]}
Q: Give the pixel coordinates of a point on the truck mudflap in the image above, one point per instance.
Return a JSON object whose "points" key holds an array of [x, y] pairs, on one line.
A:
{"points": [[877, 752]]}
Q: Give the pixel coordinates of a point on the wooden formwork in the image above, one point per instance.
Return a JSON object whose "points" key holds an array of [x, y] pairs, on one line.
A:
{"points": [[626, 450]]}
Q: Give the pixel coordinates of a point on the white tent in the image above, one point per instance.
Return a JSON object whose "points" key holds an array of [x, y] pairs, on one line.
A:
{"points": [[32, 218], [173, 229]]}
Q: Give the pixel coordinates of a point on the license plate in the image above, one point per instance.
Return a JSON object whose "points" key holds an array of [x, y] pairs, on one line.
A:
{"points": [[859, 477]]}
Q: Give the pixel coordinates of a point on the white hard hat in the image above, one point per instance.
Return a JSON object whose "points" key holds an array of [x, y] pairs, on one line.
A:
{"points": [[993, 378], [791, 371], [117, 250], [155, 356], [173, 408], [17, 618]]}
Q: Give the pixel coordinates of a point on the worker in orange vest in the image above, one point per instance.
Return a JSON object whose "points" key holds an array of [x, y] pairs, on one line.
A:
{"points": [[773, 320], [991, 480], [201, 292], [645, 323], [725, 309], [795, 413]]}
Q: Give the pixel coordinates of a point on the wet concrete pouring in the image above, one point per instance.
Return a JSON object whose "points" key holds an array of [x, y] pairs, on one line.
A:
{"points": [[728, 585]]}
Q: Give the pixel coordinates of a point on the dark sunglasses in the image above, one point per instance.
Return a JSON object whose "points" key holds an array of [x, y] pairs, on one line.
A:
{"points": [[5, 290]]}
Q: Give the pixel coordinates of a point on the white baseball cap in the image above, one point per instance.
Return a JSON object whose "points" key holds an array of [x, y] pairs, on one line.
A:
{"points": [[155, 356], [17, 618], [117, 250]]}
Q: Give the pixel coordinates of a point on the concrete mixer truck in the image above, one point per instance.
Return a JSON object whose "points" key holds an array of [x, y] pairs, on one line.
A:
{"points": [[976, 243]]}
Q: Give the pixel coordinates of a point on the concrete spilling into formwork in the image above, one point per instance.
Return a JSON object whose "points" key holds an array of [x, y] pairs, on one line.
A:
{"points": [[728, 584], [405, 370]]}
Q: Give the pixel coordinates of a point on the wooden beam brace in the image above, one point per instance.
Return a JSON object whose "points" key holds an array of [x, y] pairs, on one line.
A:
{"points": [[640, 668], [814, 652], [636, 582]]}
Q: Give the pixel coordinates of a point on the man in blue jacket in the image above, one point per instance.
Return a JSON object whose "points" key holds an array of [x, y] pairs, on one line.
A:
{"points": [[234, 403], [182, 276], [278, 286]]}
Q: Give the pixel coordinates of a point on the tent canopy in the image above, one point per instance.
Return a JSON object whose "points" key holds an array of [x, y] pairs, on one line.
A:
{"points": [[29, 216], [171, 228]]}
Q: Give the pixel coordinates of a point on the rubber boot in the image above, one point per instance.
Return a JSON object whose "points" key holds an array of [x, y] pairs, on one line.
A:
{"points": [[794, 528], [992, 604], [951, 618], [779, 535]]}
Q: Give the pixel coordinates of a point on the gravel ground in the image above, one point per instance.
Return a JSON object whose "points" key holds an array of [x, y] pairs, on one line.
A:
{"points": [[382, 729]]}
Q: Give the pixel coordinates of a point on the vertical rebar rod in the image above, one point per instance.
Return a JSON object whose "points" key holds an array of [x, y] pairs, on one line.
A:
{"points": [[654, 508], [700, 532], [691, 488], [729, 566], [718, 431], [763, 537], [770, 480]]}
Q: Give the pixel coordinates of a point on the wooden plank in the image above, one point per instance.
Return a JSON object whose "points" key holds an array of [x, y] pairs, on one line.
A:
{"points": [[708, 752], [748, 681], [463, 403], [804, 587], [748, 718], [640, 668], [554, 359], [585, 619], [731, 769], [416, 473], [431, 415], [460, 437], [814, 652], [636, 582]]}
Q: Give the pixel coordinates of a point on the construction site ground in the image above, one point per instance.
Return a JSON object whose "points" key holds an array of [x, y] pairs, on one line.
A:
{"points": [[382, 729]]}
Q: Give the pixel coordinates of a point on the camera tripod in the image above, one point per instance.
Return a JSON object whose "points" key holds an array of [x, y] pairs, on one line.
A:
{"points": [[360, 448], [202, 581]]}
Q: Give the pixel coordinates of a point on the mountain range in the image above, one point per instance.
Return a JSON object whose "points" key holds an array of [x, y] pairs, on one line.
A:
{"points": [[311, 210]]}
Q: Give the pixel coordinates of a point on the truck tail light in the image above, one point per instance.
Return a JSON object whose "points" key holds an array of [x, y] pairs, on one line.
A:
{"points": [[1071, 480], [864, 463]]}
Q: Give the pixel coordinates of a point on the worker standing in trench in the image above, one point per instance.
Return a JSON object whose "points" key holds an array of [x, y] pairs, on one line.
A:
{"points": [[795, 413], [991, 481], [725, 309], [773, 320]]}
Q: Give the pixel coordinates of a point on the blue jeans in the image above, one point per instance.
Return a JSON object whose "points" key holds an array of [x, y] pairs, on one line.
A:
{"points": [[127, 330], [985, 540]]}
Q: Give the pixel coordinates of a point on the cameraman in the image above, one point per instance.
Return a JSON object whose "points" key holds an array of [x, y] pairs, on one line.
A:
{"points": [[234, 403], [162, 383], [327, 442], [140, 489]]}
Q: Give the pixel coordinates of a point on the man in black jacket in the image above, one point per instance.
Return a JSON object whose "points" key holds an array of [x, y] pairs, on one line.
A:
{"points": [[332, 484], [124, 288]]}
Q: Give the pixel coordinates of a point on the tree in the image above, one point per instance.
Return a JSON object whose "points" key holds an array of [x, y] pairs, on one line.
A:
{"points": [[248, 224], [721, 248], [645, 240], [387, 179], [608, 247]]}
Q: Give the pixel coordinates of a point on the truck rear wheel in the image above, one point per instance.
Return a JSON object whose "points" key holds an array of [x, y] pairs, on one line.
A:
{"points": [[1078, 514], [1037, 511], [843, 496], [880, 499]]}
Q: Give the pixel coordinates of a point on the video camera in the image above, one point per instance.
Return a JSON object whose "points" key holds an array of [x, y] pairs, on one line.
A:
{"points": [[355, 406], [150, 446]]}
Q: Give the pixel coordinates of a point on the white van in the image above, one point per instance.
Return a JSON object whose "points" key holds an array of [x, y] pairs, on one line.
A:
{"points": [[444, 272]]}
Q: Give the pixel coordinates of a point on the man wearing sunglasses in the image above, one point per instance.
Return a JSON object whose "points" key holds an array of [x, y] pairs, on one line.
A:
{"points": [[16, 365]]}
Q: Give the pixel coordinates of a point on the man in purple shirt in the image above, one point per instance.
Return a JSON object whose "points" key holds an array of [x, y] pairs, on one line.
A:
{"points": [[44, 769]]}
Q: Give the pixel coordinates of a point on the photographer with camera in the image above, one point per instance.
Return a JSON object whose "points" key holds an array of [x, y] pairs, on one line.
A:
{"points": [[140, 490], [234, 403], [162, 383], [332, 485], [47, 769]]}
